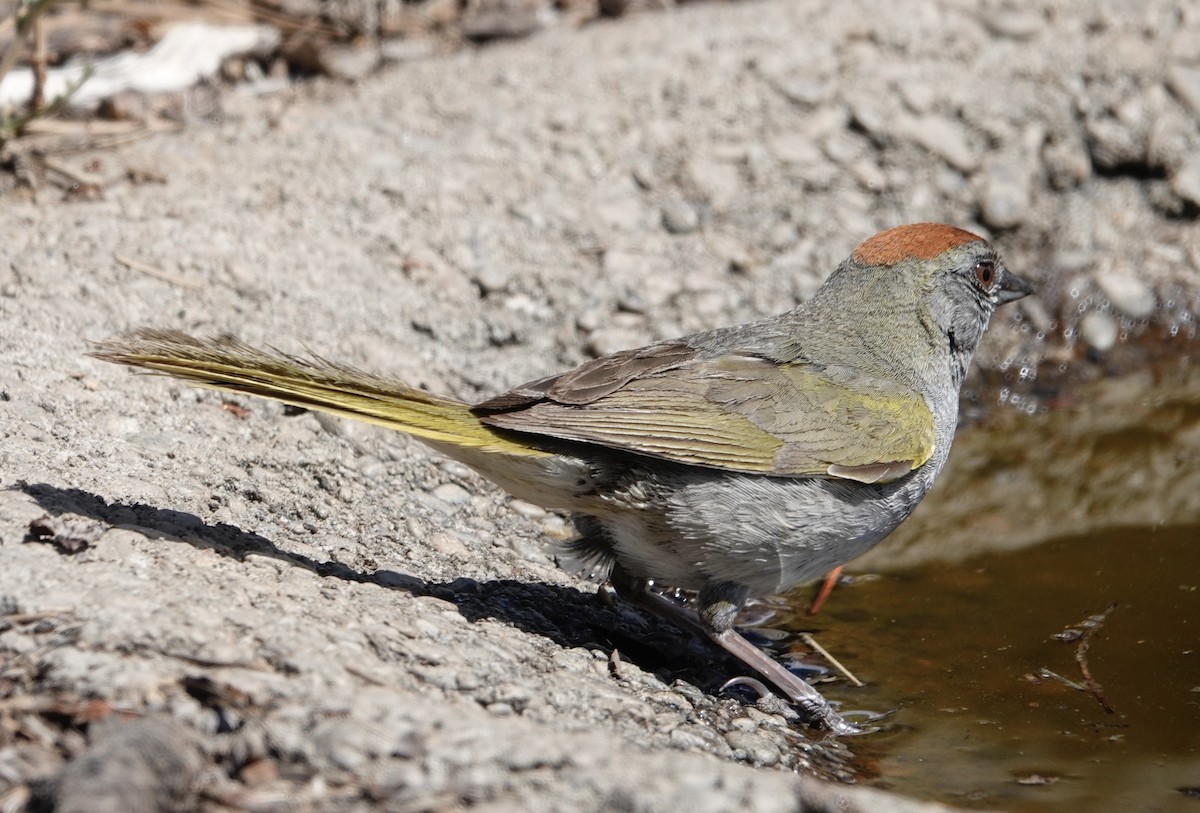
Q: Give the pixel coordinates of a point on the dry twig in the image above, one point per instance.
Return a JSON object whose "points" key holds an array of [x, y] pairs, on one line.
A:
{"points": [[157, 273], [834, 662]]}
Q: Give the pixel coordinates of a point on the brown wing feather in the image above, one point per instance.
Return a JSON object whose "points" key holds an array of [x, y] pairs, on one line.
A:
{"points": [[733, 412]]}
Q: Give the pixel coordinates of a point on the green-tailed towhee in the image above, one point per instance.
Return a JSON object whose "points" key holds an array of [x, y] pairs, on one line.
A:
{"points": [[745, 460]]}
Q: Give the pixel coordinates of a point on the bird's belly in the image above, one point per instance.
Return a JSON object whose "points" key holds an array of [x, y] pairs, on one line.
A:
{"points": [[771, 534]]}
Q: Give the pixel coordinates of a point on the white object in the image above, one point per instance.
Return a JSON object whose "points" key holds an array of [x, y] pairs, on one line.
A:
{"points": [[187, 53]]}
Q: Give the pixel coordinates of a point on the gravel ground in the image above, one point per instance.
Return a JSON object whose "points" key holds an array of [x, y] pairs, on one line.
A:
{"points": [[289, 611]]}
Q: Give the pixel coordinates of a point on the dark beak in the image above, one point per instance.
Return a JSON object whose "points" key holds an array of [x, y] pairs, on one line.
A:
{"points": [[1012, 288]]}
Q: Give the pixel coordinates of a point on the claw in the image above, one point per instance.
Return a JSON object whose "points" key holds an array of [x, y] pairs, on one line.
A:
{"points": [[750, 683]]}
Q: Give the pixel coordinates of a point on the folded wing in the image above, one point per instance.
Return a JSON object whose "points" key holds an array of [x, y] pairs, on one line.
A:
{"points": [[736, 412]]}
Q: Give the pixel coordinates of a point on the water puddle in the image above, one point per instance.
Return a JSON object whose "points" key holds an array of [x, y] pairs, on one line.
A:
{"points": [[970, 623]]}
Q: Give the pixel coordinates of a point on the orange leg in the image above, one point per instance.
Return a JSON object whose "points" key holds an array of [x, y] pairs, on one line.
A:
{"points": [[826, 589]]}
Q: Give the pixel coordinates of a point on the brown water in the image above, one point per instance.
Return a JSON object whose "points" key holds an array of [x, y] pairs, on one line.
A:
{"points": [[958, 639]]}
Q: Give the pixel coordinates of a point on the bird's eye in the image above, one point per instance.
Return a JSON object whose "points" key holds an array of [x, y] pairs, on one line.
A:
{"points": [[985, 272]]}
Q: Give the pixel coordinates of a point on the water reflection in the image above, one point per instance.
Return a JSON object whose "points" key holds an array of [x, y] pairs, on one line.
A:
{"points": [[1037, 523]]}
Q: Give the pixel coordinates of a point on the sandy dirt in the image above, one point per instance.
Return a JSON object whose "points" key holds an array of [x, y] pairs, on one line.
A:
{"points": [[301, 613]]}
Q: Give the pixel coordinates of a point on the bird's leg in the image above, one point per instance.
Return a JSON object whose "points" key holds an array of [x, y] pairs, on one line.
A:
{"points": [[719, 604], [826, 588]]}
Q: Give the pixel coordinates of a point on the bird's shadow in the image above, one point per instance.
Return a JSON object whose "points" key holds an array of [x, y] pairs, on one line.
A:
{"points": [[565, 615]]}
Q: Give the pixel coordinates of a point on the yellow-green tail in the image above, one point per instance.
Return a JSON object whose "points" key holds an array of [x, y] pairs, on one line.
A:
{"points": [[225, 363]]}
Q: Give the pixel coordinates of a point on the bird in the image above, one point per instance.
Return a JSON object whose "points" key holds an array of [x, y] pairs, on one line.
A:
{"points": [[737, 462]]}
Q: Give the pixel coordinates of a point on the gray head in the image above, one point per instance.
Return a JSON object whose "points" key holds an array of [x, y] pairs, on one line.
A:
{"points": [[915, 291]]}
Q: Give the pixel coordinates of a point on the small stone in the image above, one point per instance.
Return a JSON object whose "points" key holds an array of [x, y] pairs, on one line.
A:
{"points": [[1004, 202], [608, 340], [803, 90], [782, 236], [752, 748], [942, 137], [920, 97], [1067, 163], [126, 105], [795, 148], [1099, 330], [405, 49], [1016, 24], [348, 61], [491, 278], [719, 182], [622, 209], [504, 19], [1184, 82], [732, 252], [687, 740], [452, 493], [333, 425], [680, 217], [259, 772], [448, 544], [146, 764], [527, 509], [868, 174], [1127, 293], [873, 119], [348, 744], [1185, 181]]}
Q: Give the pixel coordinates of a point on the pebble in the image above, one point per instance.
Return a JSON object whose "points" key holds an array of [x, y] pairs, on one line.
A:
{"points": [[781, 236], [944, 138], [1127, 293], [1013, 23], [1005, 198], [688, 740], [731, 251], [1184, 82], [333, 425], [803, 90], [719, 182], [920, 97], [867, 173], [621, 207], [448, 544], [138, 766], [491, 278], [503, 19], [752, 748], [452, 494], [347, 61], [607, 340], [347, 743], [1099, 330], [795, 148], [680, 217], [527, 509], [1185, 181], [1067, 163], [406, 49]]}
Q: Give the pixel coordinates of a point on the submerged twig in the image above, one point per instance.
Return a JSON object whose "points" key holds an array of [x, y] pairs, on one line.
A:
{"points": [[834, 662], [1070, 684], [1090, 625], [1082, 634]]}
